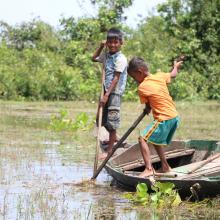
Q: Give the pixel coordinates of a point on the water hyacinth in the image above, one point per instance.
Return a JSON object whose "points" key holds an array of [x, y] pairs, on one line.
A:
{"points": [[63, 123], [163, 195]]}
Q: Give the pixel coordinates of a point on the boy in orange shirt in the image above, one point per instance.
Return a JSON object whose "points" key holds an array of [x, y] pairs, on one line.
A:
{"points": [[153, 91]]}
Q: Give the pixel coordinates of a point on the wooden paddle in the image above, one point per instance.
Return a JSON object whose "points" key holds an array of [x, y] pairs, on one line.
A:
{"points": [[100, 113], [116, 146]]}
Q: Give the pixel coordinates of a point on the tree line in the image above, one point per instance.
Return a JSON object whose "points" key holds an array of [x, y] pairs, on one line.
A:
{"points": [[39, 62]]}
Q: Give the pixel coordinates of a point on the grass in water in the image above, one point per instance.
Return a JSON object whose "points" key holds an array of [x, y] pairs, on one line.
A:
{"points": [[61, 122], [45, 173]]}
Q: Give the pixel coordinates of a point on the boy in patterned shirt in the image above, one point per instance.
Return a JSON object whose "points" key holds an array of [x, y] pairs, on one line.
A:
{"points": [[115, 66]]}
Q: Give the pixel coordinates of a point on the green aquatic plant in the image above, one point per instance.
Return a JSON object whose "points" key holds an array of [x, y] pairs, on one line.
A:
{"points": [[61, 122], [163, 195], [140, 196]]}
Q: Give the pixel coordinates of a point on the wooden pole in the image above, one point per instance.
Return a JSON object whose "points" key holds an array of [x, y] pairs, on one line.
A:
{"points": [[100, 113], [115, 147]]}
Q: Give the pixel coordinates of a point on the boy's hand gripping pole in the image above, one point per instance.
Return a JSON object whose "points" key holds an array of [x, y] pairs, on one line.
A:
{"points": [[116, 146]]}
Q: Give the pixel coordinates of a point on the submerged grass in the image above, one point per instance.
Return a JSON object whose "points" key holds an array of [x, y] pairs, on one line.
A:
{"points": [[199, 120]]}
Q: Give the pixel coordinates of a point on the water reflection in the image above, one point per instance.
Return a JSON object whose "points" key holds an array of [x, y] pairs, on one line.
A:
{"points": [[42, 183]]}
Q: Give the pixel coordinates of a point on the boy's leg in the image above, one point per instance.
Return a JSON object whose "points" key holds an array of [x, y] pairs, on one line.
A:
{"points": [[112, 139], [146, 155], [113, 120], [170, 127], [165, 167], [161, 135], [107, 141]]}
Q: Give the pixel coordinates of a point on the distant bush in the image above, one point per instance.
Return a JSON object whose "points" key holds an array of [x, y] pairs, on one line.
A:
{"points": [[38, 62], [189, 86]]}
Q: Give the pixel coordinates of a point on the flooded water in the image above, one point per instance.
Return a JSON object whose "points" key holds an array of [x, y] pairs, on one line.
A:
{"points": [[48, 184], [44, 175]]}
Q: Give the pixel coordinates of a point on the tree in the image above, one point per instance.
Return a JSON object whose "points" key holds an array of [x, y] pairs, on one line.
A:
{"points": [[196, 25]]}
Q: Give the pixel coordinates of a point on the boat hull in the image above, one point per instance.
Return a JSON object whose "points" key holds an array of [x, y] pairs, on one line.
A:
{"points": [[209, 188], [204, 182]]}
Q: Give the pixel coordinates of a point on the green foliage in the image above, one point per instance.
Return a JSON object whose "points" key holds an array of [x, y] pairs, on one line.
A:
{"points": [[153, 44], [189, 86], [41, 63], [63, 123], [195, 26], [111, 11], [164, 195]]}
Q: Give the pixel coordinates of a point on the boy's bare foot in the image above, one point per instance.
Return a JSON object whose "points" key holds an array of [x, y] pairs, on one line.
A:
{"points": [[146, 173], [166, 169]]}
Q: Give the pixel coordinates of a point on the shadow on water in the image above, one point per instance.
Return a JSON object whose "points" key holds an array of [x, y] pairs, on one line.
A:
{"points": [[45, 175]]}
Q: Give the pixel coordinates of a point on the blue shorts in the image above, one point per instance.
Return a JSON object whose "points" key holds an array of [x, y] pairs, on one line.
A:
{"points": [[161, 132]]}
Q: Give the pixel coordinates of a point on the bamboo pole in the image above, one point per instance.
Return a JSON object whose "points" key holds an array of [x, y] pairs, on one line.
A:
{"points": [[100, 113]]}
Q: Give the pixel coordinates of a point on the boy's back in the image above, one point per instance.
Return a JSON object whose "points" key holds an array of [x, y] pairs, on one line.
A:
{"points": [[153, 90]]}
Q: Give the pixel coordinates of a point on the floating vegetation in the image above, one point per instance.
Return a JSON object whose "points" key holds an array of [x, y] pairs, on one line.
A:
{"points": [[165, 201], [163, 195], [61, 122]]}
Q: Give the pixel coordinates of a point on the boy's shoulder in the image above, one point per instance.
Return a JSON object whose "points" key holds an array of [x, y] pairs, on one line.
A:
{"points": [[164, 76], [160, 74], [121, 56], [118, 57]]}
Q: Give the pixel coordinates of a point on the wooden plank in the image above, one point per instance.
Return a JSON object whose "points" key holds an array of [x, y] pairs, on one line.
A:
{"points": [[204, 173], [155, 159], [134, 153], [136, 174], [186, 168], [203, 163], [152, 157]]}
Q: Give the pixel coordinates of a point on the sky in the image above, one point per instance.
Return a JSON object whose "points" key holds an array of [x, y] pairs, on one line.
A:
{"points": [[50, 11]]}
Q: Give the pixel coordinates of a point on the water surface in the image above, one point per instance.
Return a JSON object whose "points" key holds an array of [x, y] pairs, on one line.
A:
{"points": [[44, 175]]}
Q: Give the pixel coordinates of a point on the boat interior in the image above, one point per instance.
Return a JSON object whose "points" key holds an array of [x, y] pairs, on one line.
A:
{"points": [[188, 159]]}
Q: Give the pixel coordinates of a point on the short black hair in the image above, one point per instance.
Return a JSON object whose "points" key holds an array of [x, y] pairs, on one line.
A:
{"points": [[135, 63], [114, 33]]}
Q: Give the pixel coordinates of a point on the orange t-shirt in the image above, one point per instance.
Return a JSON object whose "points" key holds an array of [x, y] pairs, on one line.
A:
{"points": [[153, 90]]}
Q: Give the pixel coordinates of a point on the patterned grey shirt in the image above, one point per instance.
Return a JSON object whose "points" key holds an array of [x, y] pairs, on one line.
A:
{"points": [[116, 62]]}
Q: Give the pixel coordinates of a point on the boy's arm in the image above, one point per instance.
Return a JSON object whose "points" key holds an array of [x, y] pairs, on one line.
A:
{"points": [[112, 86], [98, 51], [176, 66]]}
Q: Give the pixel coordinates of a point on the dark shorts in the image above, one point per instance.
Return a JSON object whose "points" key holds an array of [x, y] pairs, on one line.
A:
{"points": [[111, 112]]}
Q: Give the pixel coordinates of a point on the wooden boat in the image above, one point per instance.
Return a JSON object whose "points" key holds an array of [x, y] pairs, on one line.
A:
{"points": [[195, 167]]}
